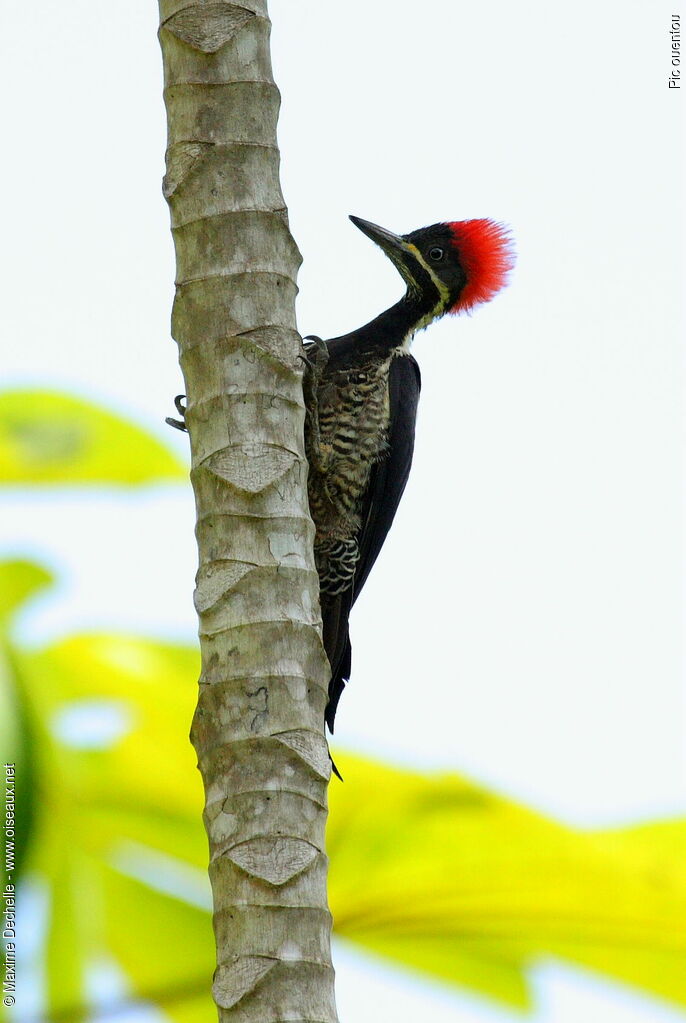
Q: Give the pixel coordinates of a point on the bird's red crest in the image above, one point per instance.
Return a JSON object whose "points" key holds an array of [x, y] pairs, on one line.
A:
{"points": [[487, 256]]}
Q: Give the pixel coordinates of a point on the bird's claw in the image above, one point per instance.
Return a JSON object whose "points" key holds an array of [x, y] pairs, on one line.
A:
{"points": [[315, 357], [178, 424]]}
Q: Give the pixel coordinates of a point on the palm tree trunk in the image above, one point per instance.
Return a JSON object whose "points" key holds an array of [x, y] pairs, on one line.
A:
{"points": [[258, 727]]}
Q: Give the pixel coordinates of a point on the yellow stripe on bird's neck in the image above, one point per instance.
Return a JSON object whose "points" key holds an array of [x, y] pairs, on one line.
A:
{"points": [[441, 286], [440, 307]]}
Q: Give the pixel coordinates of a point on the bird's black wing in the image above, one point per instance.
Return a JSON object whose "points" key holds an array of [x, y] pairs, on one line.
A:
{"points": [[386, 485], [389, 476]]}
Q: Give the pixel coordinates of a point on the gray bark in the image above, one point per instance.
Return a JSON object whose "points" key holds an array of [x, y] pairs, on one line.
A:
{"points": [[258, 727]]}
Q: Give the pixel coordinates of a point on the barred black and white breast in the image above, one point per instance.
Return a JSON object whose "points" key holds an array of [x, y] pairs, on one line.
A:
{"points": [[360, 454], [353, 437]]}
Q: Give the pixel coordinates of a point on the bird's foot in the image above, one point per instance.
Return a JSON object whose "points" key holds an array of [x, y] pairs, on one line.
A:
{"points": [[315, 358], [179, 424], [316, 354]]}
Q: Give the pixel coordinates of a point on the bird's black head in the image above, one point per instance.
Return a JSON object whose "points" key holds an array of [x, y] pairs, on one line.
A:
{"points": [[447, 267]]}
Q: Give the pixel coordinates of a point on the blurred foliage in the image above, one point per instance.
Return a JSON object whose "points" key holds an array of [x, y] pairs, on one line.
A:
{"points": [[20, 580], [432, 871], [473, 888], [48, 437], [429, 870]]}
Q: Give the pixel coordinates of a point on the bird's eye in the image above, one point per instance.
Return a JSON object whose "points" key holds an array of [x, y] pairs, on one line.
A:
{"points": [[436, 253]]}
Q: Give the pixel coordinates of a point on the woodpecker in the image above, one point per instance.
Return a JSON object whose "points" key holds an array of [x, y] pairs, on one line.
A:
{"points": [[361, 394]]}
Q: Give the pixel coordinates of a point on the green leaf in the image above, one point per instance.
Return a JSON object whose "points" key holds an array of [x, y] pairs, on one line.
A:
{"points": [[179, 935], [19, 581], [133, 802], [68, 928], [432, 871], [52, 438], [474, 888]]}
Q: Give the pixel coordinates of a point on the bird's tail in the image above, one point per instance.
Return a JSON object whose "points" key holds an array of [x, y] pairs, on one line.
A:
{"points": [[335, 612]]}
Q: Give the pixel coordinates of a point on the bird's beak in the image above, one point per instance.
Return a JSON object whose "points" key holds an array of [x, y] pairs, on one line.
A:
{"points": [[400, 252], [389, 242]]}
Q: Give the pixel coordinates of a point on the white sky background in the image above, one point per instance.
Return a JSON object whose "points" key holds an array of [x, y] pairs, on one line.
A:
{"points": [[523, 624]]}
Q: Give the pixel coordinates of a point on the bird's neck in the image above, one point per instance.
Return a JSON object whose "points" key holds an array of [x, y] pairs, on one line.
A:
{"points": [[395, 327]]}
